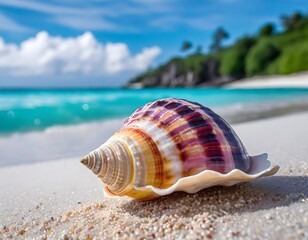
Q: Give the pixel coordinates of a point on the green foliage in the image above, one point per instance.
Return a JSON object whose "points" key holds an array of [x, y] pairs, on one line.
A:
{"points": [[267, 30], [260, 56], [233, 60], [189, 63], [290, 38], [291, 22], [193, 63], [293, 59]]}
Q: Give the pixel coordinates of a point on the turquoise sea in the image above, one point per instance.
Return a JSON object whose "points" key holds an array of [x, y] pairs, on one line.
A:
{"points": [[26, 110]]}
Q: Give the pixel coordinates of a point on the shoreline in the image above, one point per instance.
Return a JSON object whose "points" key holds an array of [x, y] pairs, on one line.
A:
{"points": [[295, 80], [62, 199], [58, 142]]}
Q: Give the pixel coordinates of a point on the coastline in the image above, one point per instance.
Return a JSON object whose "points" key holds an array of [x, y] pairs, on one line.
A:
{"points": [[71, 141], [62, 199], [295, 80], [67, 141]]}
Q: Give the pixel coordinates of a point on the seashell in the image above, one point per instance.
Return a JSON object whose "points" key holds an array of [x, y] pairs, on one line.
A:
{"points": [[173, 145]]}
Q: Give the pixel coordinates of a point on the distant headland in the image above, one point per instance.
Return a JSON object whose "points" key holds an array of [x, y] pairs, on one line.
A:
{"points": [[269, 52]]}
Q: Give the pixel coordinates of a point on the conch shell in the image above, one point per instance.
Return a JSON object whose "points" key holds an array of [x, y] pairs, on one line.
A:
{"points": [[173, 145]]}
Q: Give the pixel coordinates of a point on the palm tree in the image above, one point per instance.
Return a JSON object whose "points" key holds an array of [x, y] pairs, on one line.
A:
{"points": [[186, 45], [289, 22], [219, 35]]}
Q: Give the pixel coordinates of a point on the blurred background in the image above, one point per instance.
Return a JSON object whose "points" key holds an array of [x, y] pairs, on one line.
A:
{"points": [[75, 68]]}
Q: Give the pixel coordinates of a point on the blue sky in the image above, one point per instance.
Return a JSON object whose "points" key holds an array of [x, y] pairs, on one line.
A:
{"points": [[104, 43]]}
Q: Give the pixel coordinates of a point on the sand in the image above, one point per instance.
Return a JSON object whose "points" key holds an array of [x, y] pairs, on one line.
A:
{"points": [[63, 200], [56, 142], [295, 80]]}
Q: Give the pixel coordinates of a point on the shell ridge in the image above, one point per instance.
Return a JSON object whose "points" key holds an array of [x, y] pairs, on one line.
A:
{"points": [[123, 171], [140, 168], [234, 141], [215, 131], [192, 121], [165, 144]]}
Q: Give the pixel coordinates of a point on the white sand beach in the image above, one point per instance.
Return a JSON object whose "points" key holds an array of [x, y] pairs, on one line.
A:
{"points": [[295, 80], [64, 200]]}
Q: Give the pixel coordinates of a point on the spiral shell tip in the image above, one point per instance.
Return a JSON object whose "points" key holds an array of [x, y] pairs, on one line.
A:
{"points": [[84, 161]]}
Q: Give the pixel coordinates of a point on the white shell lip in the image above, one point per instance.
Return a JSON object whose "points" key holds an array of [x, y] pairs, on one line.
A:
{"points": [[260, 167]]}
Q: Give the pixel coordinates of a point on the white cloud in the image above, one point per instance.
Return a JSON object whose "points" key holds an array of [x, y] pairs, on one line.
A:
{"points": [[49, 55]]}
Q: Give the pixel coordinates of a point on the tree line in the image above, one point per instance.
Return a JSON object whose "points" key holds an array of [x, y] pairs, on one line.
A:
{"points": [[289, 23]]}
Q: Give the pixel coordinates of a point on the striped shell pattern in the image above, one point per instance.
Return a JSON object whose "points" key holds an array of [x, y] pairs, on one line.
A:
{"points": [[173, 145]]}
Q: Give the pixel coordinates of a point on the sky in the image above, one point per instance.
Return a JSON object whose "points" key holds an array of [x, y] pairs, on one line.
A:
{"points": [[99, 43]]}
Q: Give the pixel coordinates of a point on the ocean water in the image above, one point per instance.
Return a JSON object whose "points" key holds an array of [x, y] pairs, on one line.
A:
{"points": [[27, 110]]}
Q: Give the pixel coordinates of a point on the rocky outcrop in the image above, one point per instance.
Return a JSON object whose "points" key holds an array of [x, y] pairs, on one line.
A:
{"points": [[173, 75]]}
